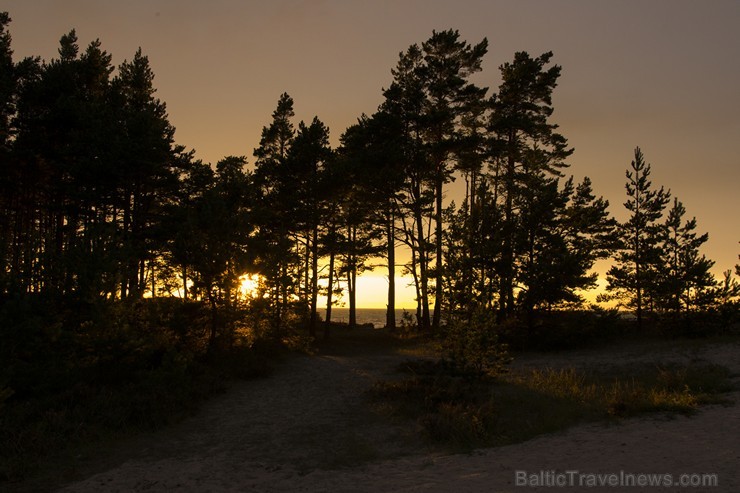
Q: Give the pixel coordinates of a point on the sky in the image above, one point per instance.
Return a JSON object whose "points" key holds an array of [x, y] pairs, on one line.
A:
{"points": [[659, 74]]}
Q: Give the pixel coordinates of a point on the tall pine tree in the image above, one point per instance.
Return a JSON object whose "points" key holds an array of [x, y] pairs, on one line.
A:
{"points": [[526, 148], [634, 276]]}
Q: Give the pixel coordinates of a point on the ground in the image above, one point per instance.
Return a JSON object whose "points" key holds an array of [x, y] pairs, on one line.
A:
{"points": [[309, 427]]}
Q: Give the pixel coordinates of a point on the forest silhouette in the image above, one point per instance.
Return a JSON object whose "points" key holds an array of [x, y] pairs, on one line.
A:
{"points": [[122, 253]]}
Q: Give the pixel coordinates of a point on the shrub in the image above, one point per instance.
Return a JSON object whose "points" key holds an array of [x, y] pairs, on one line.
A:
{"points": [[76, 374], [472, 346]]}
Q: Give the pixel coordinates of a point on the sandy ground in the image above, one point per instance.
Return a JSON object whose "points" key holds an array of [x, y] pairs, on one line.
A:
{"points": [[308, 428]]}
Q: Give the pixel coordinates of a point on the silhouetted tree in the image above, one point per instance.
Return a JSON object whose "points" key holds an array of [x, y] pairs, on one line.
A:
{"points": [[333, 183], [683, 273], [181, 223], [526, 148], [63, 152], [277, 258], [473, 248], [562, 231], [215, 227], [8, 83], [545, 264], [451, 102], [434, 99], [305, 163], [149, 162], [8, 181], [404, 102], [635, 271], [590, 234], [372, 161]]}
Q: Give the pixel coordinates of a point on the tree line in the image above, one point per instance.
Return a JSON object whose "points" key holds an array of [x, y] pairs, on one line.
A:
{"points": [[98, 203]]}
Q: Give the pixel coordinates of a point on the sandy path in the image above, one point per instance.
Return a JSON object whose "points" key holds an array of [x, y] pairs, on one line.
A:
{"points": [[307, 428]]}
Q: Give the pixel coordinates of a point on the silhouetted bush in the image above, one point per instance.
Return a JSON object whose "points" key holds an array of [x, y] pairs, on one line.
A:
{"points": [[717, 321], [77, 374], [565, 329]]}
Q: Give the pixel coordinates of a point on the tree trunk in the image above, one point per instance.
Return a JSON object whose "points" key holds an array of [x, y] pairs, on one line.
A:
{"points": [[529, 301], [283, 303], [134, 288], [329, 296], [352, 278], [153, 279], [390, 317], [214, 321], [142, 276], [506, 295], [306, 269], [353, 298], [126, 244], [314, 281], [417, 288], [423, 272], [184, 283], [638, 285], [638, 273], [438, 244]]}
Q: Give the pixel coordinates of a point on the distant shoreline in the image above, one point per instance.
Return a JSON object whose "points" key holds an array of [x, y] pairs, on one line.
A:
{"points": [[374, 316]]}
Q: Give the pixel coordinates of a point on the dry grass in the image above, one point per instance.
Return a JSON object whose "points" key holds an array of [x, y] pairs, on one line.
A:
{"points": [[462, 413]]}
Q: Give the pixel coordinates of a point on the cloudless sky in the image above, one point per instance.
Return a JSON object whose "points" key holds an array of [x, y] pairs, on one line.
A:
{"points": [[660, 74]]}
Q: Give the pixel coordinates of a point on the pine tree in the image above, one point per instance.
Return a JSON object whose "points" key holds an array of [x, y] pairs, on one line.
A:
{"points": [[8, 83], [371, 159], [434, 99], [181, 223], [8, 97], [149, 162], [212, 232], [277, 258], [404, 102], [634, 275], [65, 125], [451, 101], [684, 274], [305, 165], [525, 146], [545, 264]]}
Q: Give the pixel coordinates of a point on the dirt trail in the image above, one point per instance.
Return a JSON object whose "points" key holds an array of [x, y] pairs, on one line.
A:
{"points": [[311, 413], [308, 428]]}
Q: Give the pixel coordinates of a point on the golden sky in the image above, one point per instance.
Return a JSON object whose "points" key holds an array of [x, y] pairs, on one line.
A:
{"points": [[661, 74]]}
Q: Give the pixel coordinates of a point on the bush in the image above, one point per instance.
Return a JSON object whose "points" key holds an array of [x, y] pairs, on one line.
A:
{"points": [[471, 344], [76, 372], [558, 330], [723, 320]]}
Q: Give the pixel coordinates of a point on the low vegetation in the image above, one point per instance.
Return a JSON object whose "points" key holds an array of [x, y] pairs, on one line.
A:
{"points": [[462, 412], [101, 372]]}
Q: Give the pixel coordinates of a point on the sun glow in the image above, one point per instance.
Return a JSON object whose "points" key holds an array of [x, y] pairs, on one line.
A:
{"points": [[372, 291], [249, 285]]}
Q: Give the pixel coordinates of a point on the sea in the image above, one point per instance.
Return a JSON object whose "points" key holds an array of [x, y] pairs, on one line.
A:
{"points": [[375, 316]]}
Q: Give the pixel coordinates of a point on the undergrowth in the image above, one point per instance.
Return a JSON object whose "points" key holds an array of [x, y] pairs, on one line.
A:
{"points": [[462, 413], [105, 372]]}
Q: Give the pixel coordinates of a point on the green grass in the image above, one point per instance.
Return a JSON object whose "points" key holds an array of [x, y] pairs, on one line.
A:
{"points": [[460, 413]]}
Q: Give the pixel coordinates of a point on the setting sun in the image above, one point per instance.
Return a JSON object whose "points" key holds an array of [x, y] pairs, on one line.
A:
{"points": [[248, 285]]}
